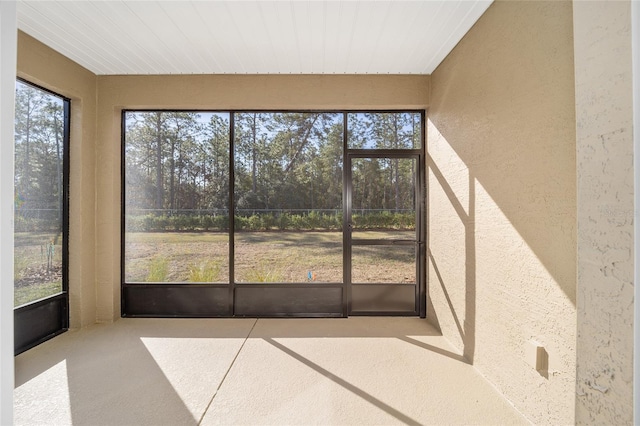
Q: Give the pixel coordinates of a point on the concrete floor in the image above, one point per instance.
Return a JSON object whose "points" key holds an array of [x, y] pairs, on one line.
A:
{"points": [[360, 371]]}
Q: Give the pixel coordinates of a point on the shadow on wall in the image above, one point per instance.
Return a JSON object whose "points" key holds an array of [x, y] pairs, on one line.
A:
{"points": [[536, 223], [537, 203], [507, 112], [501, 176], [466, 325]]}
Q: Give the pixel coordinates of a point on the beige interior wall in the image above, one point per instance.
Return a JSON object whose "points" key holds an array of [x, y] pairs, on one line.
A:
{"points": [[221, 92], [502, 199], [604, 115], [43, 66]]}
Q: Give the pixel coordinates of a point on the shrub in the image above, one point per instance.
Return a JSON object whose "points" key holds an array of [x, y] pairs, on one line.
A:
{"points": [[241, 223], [180, 222], [284, 221], [221, 222], [158, 270], [257, 222], [314, 220], [207, 222], [134, 223], [32, 224], [297, 222], [268, 221], [263, 274], [206, 272], [254, 223], [161, 223], [148, 223]]}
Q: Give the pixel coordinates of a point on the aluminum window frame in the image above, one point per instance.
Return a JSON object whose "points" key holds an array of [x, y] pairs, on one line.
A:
{"points": [[230, 305], [40, 320]]}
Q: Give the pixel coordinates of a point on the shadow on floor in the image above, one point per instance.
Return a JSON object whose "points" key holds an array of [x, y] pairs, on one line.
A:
{"points": [[169, 371]]}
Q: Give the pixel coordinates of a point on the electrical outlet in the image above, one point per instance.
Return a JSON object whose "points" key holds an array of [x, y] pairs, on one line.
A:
{"points": [[536, 356]]}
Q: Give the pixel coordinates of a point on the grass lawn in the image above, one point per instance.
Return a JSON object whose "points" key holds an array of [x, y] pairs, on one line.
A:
{"points": [[32, 278], [273, 256]]}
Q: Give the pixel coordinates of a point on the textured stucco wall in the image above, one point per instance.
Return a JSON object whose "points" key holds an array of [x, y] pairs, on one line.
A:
{"points": [[604, 116], [502, 202], [47, 68], [217, 92]]}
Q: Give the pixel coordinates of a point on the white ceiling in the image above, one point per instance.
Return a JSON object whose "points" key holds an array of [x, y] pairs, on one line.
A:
{"points": [[254, 37]]}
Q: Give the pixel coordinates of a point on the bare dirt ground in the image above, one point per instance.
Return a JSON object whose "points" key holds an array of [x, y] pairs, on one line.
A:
{"points": [[39, 274]]}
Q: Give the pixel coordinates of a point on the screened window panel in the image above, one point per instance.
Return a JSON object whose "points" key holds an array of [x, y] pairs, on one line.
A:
{"points": [[288, 197], [41, 129], [384, 130], [176, 216]]}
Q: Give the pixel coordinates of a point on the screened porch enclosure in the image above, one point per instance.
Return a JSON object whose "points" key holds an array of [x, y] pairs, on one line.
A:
{"points": [[40, 219], [327, 213]]}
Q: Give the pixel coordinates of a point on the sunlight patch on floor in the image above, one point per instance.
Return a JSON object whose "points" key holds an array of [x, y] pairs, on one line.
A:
{"points": [[29, 406], [192, 366]]}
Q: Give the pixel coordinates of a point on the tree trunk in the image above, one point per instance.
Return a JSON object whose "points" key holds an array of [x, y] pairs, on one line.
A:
{"points": [[58, 166], [254, 154], [159, 161], [303, 143], [27, 169], [172, 176], [396, 164]]}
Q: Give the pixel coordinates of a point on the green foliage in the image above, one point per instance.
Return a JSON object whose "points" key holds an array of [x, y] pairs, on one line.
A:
{"points": [[39, 148], [255, 223], [205, 272], [183, 222], [32, 224], [207, 222], [263, 273], [161, 223], [298, 222], [287, 168], [313, 221], [268, 221], [384, 220], [158, 270], [283, 222]]}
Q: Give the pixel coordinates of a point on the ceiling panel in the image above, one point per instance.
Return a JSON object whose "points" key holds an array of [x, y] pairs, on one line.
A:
{"points": [[251, 37]]}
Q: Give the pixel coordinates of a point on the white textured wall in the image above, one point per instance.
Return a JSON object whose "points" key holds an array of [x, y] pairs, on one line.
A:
{"points": [[502, 202], [8, 31], [605, 212], [635, 41]]}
